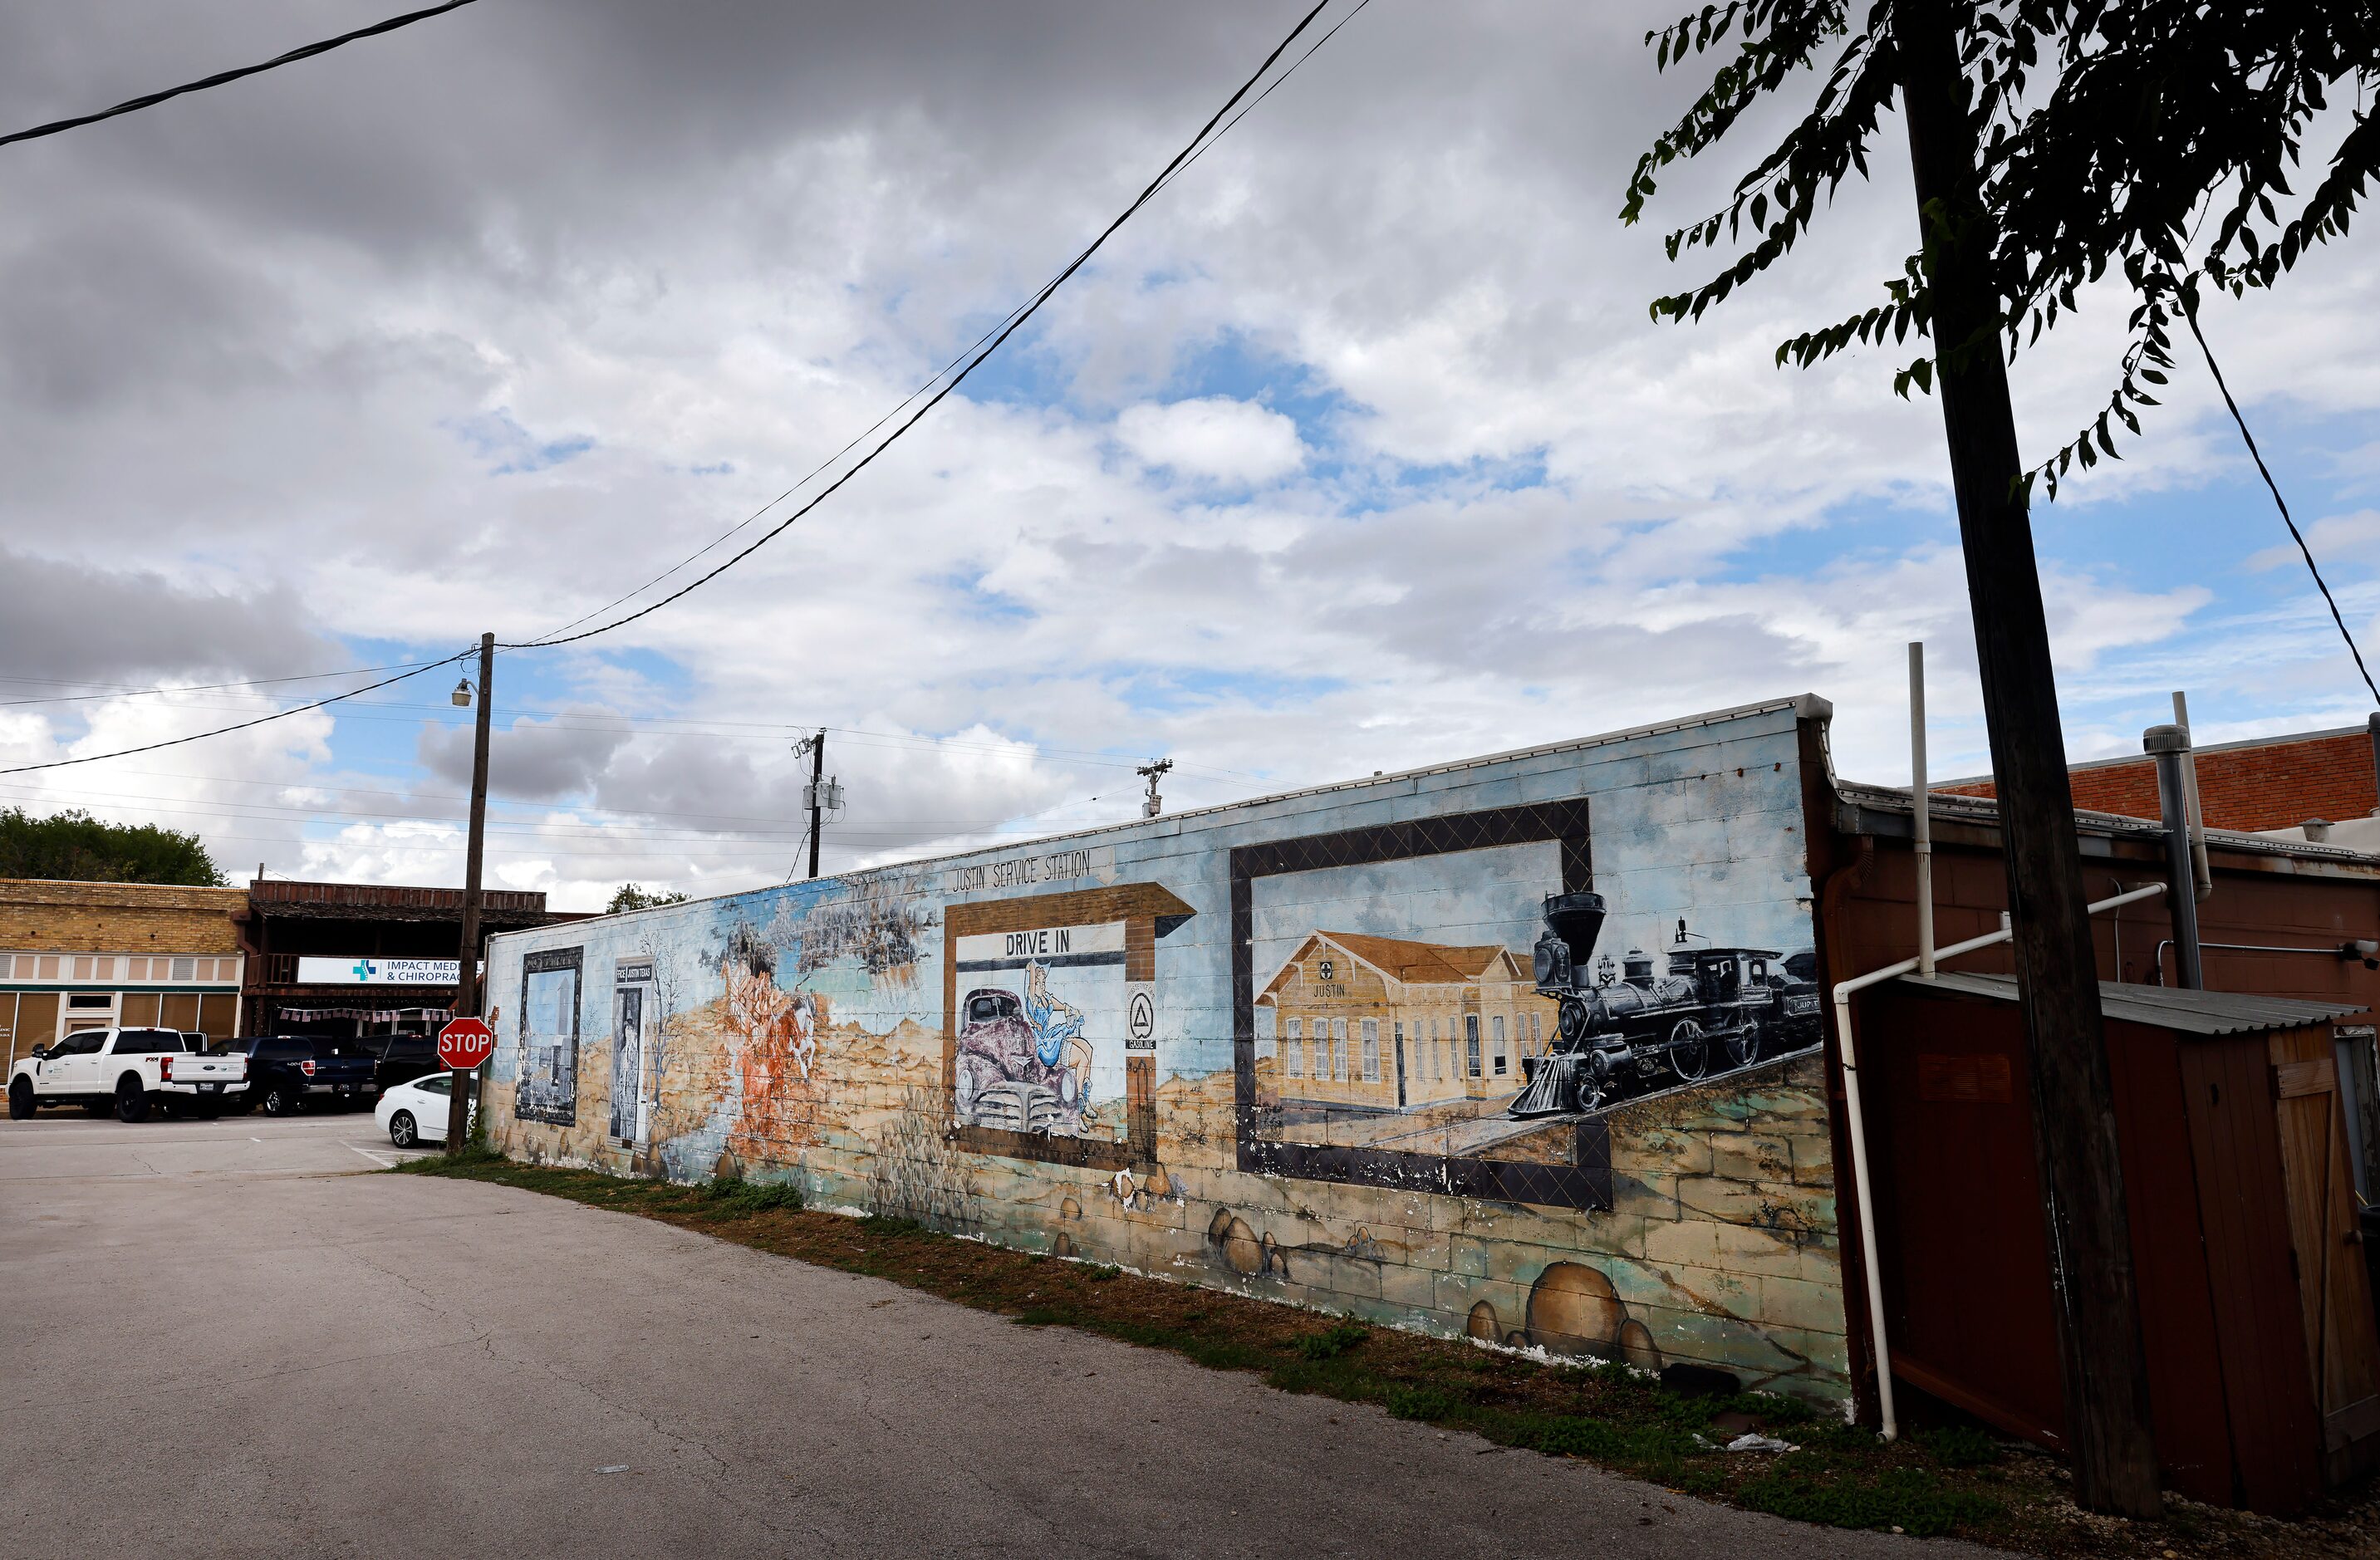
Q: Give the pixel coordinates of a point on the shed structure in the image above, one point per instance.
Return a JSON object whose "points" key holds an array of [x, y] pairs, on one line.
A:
{"points": [[2256, 1311]]}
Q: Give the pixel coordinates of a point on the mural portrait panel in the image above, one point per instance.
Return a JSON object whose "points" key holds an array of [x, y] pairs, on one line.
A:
{"points": [[549, 1071], [1050, 1019]]}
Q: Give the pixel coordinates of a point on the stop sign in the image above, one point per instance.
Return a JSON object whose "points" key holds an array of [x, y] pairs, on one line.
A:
{"points": [[464, 1044]]}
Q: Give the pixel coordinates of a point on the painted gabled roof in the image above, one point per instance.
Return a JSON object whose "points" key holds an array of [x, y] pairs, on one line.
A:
{"points": [[1400, 959]]}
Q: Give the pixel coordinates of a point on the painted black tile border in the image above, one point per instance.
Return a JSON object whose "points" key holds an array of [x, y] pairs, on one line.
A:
{"points": [[542, 961], [1584, 1184]]}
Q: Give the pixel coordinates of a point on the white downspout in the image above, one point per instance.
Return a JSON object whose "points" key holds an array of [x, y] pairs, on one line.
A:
{"points": [[1923, 825], [1849, 1051]]}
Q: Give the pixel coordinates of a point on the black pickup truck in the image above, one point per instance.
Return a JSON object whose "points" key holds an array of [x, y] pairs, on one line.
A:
{"points": [[287, 1072]]}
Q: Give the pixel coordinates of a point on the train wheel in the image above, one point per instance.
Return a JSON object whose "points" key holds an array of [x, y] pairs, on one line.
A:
{"points": [[1741, 1045], [1689, 1050], [1586, 1084]]}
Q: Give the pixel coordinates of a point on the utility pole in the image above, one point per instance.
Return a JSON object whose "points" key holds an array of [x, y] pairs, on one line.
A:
{"points": [[1152, 773], [818, 793], [466, 983], [2075, 1124]]}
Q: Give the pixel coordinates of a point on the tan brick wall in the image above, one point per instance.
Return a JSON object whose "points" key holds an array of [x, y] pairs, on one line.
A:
{"points": [[40, 917]]}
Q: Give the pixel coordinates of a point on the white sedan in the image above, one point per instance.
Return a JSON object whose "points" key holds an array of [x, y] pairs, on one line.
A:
{"points": [[413, 1114]]}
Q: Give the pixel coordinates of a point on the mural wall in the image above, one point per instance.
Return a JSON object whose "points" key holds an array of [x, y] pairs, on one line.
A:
{"points": [[1524, 1049]]}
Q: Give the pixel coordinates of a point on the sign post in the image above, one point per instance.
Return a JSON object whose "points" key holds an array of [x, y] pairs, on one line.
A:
{"points": [[466, 987], [462, 1045]]}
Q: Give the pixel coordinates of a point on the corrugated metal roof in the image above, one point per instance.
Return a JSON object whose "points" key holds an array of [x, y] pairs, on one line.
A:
{"points": [[2194, 1013]]}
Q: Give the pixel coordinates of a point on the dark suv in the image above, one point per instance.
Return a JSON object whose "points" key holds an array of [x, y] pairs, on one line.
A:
{"points": [[401, 1058], [285, 1072]]}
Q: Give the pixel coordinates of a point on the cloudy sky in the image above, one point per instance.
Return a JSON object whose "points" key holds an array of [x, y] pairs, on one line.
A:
{"points": [[1354, 450]]}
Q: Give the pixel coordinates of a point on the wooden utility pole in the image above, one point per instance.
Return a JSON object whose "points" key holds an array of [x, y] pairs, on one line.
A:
{"points": [[2075, 1124], [466, 984], [817, 795]]}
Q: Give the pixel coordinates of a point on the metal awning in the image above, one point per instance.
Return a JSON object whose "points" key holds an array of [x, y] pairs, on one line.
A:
{"points": [[2194, 1013]]}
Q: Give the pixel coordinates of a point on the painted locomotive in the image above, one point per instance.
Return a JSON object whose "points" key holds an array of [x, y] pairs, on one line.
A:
{"points": [[1620, 1023]]}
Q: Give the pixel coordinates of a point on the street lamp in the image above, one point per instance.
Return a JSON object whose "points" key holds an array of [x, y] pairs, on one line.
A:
{"points": [[463, 693]]}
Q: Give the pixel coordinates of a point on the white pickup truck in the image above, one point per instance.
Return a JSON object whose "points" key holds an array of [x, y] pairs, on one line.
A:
{"points": [[127, 1068]]}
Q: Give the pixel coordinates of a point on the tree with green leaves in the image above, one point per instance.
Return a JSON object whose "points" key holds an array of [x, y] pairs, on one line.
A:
{"points": [[630, 897], [2057, 146], [74, 846]]}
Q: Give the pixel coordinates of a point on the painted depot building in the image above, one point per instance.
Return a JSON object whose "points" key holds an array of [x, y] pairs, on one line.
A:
{"points": [[1389, 1024], [1287, 1047]]}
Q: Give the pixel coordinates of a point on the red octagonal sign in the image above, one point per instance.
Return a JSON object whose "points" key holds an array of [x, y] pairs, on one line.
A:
{"points": [[464, 1044]]}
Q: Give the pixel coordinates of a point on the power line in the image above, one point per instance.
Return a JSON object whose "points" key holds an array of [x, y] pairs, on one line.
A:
{"points": [[233, 808], [226, 731], [2190, 314], [124, 690], [219, 78], [591, 723], [573, 807], [551, 637], [1015, 320], [1015, 323]]}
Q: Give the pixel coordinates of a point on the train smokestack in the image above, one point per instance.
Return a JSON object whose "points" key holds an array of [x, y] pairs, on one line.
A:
{"points": [[1577, 919]]}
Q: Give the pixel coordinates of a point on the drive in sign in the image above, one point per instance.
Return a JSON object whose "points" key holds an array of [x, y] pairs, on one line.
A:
{"points": [[464, 1044]]}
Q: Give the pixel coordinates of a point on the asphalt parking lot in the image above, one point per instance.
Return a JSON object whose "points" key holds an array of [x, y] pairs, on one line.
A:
{"points": [[233, 1337]]}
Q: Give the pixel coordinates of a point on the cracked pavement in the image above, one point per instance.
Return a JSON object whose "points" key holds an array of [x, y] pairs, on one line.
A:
{"points": [[229, 1337]]}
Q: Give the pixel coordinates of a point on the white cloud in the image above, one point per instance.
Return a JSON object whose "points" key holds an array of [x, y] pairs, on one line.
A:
{"points": [[1214, 437], [2334, 537], [266, 353]]}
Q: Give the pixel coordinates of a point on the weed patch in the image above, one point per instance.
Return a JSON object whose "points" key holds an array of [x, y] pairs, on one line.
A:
{"points": [[1421, 1403], [732, 1197], [1908, 1498], [1333, 1341], [1960, 1445]]}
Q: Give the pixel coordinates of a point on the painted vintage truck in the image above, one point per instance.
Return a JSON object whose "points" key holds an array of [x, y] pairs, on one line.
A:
{"points": [[130, 1069]]}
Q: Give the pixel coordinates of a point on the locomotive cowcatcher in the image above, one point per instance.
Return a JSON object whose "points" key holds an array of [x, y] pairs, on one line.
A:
{"points": [[1617, 1026]]}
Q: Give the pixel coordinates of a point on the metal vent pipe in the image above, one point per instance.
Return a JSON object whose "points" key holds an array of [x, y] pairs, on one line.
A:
{"points": [[2170, 745], [2198, 858], [1922, 842]]}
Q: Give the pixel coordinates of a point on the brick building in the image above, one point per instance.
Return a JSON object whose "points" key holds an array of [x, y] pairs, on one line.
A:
{"points": [[2260, 785], [77, 956], [363, 958], [276, 956]]}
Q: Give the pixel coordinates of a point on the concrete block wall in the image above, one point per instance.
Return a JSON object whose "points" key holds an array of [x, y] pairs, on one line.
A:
{"points": [[777, 1045]]}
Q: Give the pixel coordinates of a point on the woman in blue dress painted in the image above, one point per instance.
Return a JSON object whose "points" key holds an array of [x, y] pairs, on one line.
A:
{"points": [[1057, 1040]]}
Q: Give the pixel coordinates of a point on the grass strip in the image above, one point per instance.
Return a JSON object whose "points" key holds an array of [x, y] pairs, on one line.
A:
{"points": [[1948, 1480]]}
